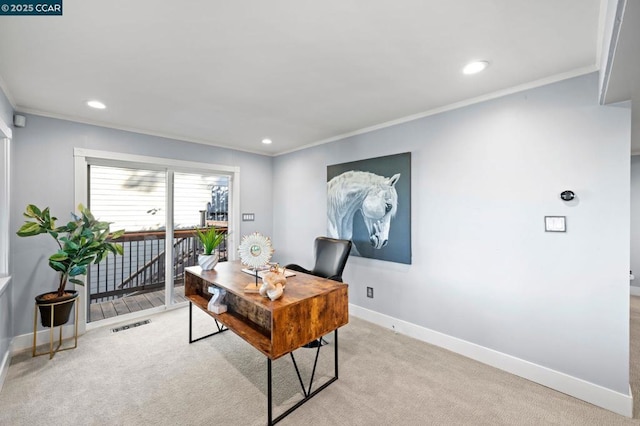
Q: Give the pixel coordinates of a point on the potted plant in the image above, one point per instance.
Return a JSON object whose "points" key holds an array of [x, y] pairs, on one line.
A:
{"points": [[210, 238], [81, 241]]}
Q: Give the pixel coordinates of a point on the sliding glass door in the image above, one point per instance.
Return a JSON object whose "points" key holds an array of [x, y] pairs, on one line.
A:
{"points": [[159, 202], [200, 200], [132, 199], [142, 201]]}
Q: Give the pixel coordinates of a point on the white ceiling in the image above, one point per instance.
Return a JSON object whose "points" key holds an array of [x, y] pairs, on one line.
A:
{"points": [[230, 73]]}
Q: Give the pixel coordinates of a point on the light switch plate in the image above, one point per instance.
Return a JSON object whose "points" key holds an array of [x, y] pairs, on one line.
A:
{"points": [[555, 224], [248, 217]]}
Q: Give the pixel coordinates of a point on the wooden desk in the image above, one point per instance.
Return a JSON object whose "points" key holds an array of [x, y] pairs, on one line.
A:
{"points": [[310, 308]]}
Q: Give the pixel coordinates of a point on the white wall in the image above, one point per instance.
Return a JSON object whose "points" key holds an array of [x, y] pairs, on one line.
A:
{"points": [[484, 270], [43, 174]]}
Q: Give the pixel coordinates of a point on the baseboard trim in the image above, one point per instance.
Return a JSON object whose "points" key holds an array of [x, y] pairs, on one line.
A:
{"points": [[592, 393], [4, 366], [634, 290], [25, 341]]}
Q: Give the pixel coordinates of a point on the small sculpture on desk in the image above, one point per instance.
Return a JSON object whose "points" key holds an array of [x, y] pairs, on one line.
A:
{"points": [[215, 303], [273, 283]]}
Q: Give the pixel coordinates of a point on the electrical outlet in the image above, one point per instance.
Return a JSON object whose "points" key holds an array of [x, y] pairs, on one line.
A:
{"points": [[370, 292]]}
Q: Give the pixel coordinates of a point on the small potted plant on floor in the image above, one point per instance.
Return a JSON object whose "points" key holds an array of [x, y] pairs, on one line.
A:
{"points": [[210, 238], [82, 241]]}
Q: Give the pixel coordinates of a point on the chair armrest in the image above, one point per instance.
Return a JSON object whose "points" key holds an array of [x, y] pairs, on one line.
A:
{"points": [[294, 267], [335, 278]]}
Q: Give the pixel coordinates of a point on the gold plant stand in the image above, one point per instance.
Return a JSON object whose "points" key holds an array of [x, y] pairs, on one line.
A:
{"points": [[52, 352]]}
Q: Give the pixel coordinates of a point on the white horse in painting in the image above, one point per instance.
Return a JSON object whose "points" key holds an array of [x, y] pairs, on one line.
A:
{"points": [[375, 196]]}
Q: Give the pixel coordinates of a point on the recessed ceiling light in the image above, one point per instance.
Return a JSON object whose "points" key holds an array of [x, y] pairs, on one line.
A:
{"points": [[475, 67], [96, 104], [266, 141]]}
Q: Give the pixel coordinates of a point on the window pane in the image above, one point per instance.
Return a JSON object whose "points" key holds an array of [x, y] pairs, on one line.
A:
{"points": [[132, 199], [194, 193]]}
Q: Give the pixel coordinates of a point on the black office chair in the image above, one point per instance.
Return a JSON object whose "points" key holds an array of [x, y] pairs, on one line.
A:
{"points": [[331, 258]]}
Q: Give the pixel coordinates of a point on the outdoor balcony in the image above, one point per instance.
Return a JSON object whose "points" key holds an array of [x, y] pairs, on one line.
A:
{"points": [[136, 281]]}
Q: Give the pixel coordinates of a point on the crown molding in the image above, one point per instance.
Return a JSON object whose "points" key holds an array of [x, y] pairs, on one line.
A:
{"points": [[97, 123], [493, 95]]}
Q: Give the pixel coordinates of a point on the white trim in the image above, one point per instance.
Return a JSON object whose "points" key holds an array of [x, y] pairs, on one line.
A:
{"points": [[180, 138], [5, 130], [233, 234], [7, 93], [80, 197], [132, 316], [590, 392], [5, 281], [611, 53], [634, 290], [5, 202], [4, 365], [4, 284], [25, 341], [5, 195], [6, 357], [168, 242], [177, 165], [84, 157]]}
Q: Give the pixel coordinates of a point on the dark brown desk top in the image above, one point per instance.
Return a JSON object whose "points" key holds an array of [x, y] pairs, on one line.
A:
{"points": [[309, 308], [229, 275]]}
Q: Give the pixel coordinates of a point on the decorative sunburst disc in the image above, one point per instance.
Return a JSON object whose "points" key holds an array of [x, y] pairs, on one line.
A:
{"points": [[255, 250]]}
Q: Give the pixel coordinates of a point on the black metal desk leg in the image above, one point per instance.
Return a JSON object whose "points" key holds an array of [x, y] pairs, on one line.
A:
{"points": [[307, 394], [191, 339], [336, 351], [269, 401], [190, 320]]}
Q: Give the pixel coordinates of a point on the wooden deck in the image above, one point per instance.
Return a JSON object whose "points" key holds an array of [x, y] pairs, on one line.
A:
{"points": [[128, 304]]}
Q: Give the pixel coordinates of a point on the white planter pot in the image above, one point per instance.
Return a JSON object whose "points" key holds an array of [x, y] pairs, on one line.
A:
{"points": [[208, 262]]}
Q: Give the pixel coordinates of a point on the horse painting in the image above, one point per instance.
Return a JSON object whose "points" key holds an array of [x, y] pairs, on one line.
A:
{"points": [[376, 198]]}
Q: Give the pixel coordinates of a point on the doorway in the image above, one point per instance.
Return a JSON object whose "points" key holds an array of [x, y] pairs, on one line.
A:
{"points": [[159, 203]]}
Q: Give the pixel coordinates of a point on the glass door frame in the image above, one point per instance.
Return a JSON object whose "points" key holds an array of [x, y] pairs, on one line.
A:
{"points": [[85, 157]]}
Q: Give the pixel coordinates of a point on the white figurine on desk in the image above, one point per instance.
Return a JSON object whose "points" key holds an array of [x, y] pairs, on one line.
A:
{"points": [[215, 303], [273, 282]]}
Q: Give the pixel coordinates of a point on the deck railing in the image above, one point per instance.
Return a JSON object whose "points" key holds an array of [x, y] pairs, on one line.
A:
{"points": [[142, 267]]}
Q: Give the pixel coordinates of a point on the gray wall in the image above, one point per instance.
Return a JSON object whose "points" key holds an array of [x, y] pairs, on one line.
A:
{"points": [[635, 221], [483, 178], [483, 268], [42, 174]]}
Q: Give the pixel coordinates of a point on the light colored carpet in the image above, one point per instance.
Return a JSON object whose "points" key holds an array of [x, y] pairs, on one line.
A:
{"points": [[150, 375]]}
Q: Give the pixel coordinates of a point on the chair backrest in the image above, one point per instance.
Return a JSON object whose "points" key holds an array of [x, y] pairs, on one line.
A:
{"points": [[331, 257]]}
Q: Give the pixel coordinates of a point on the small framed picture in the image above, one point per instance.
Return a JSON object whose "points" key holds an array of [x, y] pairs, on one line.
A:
{"points": [[555, 224]]}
